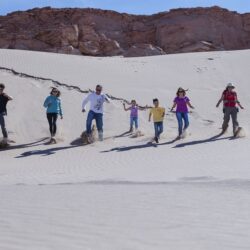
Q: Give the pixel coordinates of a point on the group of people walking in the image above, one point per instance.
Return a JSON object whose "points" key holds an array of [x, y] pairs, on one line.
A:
{"points": [[181, 103]]}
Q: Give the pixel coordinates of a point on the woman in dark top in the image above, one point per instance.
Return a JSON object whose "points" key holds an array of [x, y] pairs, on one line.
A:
{"points": [[4, 98]]}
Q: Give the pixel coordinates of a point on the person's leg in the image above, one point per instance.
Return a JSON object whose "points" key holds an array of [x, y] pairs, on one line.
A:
{"points": [[156, 129], [2, 124], [234, 115], [136, 122], [50, 117], [180, 123], [54, 119], [131, 124], [99, 125], [186, 120], [90, 118], [160, 128], [226, 119]]}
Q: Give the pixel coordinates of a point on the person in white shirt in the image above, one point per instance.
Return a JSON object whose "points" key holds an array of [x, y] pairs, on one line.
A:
{"points": [[96, 100]]}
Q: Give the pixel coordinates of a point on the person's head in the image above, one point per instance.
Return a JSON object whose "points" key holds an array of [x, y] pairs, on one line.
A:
{"points": [[55, 92], [2, 87], [98, 89], [230, 87], [156, 102], [181, 92], [133, 102]]}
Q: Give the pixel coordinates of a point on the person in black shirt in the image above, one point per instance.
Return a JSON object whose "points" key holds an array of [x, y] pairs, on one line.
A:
{"points": [[4, 98]]}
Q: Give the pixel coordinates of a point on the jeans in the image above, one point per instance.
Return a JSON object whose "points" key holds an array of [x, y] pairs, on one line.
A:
{"points": [[133, 120], [158, 129], [230, 112], [52, 118], [181, 116], [2, 124], [98, 117]]}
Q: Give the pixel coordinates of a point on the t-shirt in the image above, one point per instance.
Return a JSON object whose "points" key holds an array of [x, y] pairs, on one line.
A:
{"points": [[181, 104], [96, 102], [158, 114], [134, 111], [230, 98], [3, 103]]}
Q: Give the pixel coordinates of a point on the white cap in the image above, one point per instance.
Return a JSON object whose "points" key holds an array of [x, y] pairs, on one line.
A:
{"points": [[230, 85]]}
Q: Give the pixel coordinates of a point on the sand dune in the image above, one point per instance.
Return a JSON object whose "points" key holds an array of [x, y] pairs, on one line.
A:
{"points": [[124, 193]]}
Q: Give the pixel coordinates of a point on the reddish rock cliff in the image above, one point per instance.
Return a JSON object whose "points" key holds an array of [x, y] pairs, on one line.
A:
{"points": [[108, 33]]}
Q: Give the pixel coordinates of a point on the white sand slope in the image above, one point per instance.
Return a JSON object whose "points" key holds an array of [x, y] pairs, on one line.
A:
{"points": [[124, 193]]}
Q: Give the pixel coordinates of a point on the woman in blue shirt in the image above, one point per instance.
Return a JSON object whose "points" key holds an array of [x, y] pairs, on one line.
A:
{"points": [[53, 105]]}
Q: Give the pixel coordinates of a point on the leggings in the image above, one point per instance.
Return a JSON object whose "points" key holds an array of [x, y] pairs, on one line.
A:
{"points": [[52, 117]]}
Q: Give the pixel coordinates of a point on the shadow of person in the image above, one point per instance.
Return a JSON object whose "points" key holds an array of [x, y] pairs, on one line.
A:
{"points": [[26, 145], [211, 139], [44, 152]]}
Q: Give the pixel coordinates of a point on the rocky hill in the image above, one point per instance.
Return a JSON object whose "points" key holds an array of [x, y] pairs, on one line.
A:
{"points": [[97, 32]]}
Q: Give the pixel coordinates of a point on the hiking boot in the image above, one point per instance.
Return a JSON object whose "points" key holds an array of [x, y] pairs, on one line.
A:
{"points": [[156, 140]]}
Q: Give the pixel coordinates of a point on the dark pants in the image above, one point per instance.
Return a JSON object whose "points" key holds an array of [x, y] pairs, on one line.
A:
{"points": [[230, 112], [98, 117], [2, 124], [158, 129], [52, 117], [182, 116]]}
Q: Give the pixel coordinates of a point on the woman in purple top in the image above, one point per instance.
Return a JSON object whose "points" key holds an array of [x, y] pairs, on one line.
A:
{"points": [[133, 114], [181, 102]]}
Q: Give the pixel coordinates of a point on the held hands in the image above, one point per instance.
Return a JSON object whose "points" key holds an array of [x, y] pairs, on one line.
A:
{"points": [[83, 110], [61, 117]]}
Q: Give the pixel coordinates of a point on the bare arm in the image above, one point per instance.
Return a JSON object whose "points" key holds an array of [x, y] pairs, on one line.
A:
{"points": [[173, 107], [190, 105], [149, 118], [238, 103], [219, 102], [124, 106]]}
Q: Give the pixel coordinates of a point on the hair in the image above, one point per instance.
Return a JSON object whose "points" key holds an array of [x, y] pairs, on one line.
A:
{"points": [[133, 101], [2, 86], [181, 90], [58, 92], [155, 100], [98, 86]]}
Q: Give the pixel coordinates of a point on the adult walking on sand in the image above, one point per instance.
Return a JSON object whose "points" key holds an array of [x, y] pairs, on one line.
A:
{"points": [[181, 103], [96, 99], [4, 98], [53, 105], [230, 108]]}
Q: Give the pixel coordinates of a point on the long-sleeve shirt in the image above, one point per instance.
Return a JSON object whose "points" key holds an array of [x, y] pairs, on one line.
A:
{"points": [[96, 102], [53, 105]]}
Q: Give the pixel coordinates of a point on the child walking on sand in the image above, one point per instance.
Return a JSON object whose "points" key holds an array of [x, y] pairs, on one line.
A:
{"points": [[158, 114], [134, 108]]}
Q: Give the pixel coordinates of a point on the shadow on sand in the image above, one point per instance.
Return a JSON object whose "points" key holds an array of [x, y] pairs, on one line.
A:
{"points": [[13, 146], [211, 139]]}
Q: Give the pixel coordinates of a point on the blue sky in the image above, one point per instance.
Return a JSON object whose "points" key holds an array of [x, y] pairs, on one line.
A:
{"points": [[129, 6]]}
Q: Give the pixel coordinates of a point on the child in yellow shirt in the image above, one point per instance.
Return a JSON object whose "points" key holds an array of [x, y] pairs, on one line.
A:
{"points": [[158, 114]]}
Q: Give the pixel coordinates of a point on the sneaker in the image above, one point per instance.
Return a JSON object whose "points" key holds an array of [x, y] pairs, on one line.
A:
{"points": [[156, 140]]}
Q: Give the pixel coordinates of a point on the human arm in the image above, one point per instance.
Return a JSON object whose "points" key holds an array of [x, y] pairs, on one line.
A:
{"points": [[47, 102], [219, 102], [150, 115], [173, 107], [190, 105], [10, 98], [107, 99], [126, 109], [238, 103], [84, 103]]}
